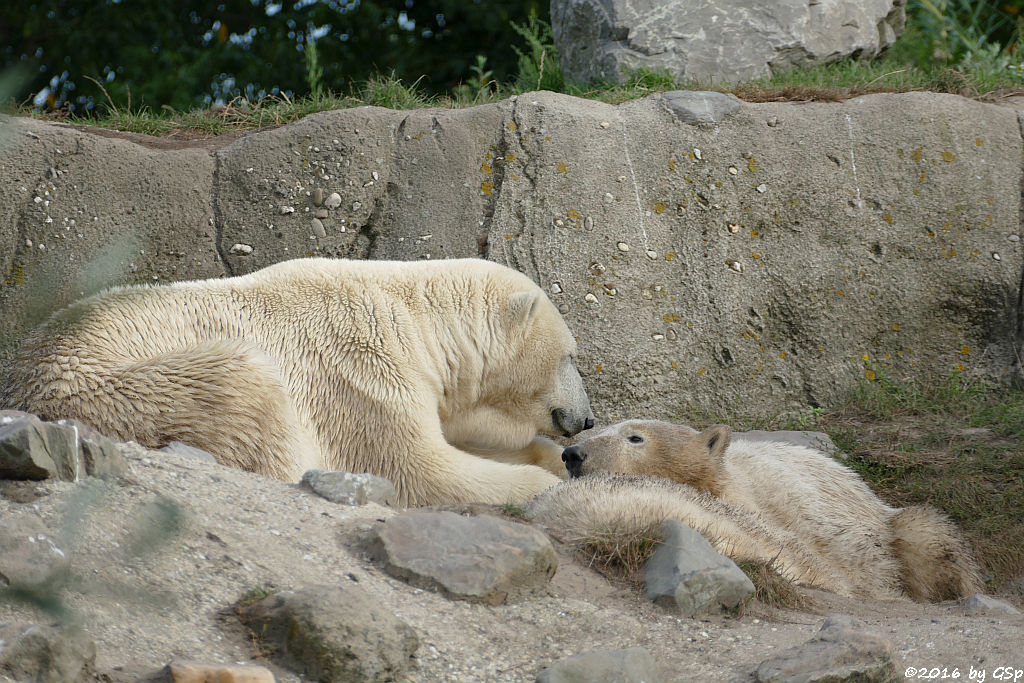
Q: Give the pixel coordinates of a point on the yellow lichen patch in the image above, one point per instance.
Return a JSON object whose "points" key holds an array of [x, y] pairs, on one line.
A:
{"points": [[487, 187], [702, 371], [923, 177], [563, 168], [510, 157], [895, 327], [598, 368], [840, 293], [15, 275], [917, 191], [753, 233], [672, 163], [948, 156], [964, 350], [916, 155], [899, 152], [573, 214], [751, 165], [960, 367], [887, 217], [755, 255], [671, 318], [659, 207], [865, 357], [670, 255], [782, 355], [869, 374], [511, 125], [509, 236], [485, 168], [979, 141]]}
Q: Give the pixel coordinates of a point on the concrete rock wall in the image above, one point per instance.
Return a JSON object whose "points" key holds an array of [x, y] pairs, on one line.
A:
{"points": [[755, 264]]}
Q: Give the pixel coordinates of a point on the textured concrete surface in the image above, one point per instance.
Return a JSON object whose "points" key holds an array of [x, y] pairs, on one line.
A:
{"points": [[755, 261]]}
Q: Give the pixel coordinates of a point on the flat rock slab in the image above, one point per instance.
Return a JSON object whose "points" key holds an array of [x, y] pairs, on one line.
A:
{"points": [[687, 575], [333, 633], [716, 40], [817, 440], [632, 665], [200, 672], [480, 559], [980, 603], [45, 654], [30, 560], [842, 651], [347, 488]]}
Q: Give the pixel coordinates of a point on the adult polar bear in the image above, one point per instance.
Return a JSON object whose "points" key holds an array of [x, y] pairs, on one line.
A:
{"points": [[408, 370]]}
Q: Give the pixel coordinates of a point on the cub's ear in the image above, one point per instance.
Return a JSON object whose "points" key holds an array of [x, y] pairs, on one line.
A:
{"points": [[716, 439], [523, 305]]}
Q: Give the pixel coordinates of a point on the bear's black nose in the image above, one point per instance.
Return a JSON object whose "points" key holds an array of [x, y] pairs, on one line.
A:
{"points": [[588, 423], [573, 458]]}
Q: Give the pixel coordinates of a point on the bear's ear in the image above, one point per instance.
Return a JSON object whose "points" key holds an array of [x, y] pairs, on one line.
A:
{"points": [[522, 305], [716, 439]]}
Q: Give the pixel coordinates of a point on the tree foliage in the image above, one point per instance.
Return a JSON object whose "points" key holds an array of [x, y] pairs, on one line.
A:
{"points": [[186, 53]]}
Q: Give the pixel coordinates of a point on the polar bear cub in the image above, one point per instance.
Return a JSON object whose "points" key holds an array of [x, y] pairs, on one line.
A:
{"points": [[441, 375], [793, 506]]}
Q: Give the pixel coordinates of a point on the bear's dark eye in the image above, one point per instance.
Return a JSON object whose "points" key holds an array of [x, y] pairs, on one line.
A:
{"points": [[635, 438]]}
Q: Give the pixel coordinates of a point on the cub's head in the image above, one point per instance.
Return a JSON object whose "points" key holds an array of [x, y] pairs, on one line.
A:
{"points": [[533, 378], [654, 448]]}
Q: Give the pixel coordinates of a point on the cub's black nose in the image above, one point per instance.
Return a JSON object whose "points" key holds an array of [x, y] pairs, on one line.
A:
{"points": [[573, 458], [588, 423]]}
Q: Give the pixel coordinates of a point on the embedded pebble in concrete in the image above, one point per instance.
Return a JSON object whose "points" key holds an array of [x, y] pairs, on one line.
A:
{"points": [[622, 246], [318, 196], [596, 268], [240, 249], [285, 210], [762, 188], [556, 288], [588, 223], [657, 337], [608, 198], [733, 228], [333, 201], [356, 206], [590, 298], [563, 308], [735, 265], [321, 214], [732, 170], [697, 154], [651, 254], [318, 228]]}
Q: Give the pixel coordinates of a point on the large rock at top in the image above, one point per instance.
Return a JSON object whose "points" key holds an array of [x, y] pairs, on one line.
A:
{"points": [[759, 261], [716, 40]]}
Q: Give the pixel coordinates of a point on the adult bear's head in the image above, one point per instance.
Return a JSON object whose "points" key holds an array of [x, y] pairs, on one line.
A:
{"points": [[531, 374]]}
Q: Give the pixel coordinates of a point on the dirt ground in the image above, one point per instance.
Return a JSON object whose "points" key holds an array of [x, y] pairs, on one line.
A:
{"points": [[242, 532]]}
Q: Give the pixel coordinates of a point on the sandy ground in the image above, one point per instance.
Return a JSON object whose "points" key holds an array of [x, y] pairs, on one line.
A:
{"points": [[243, 532]]}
